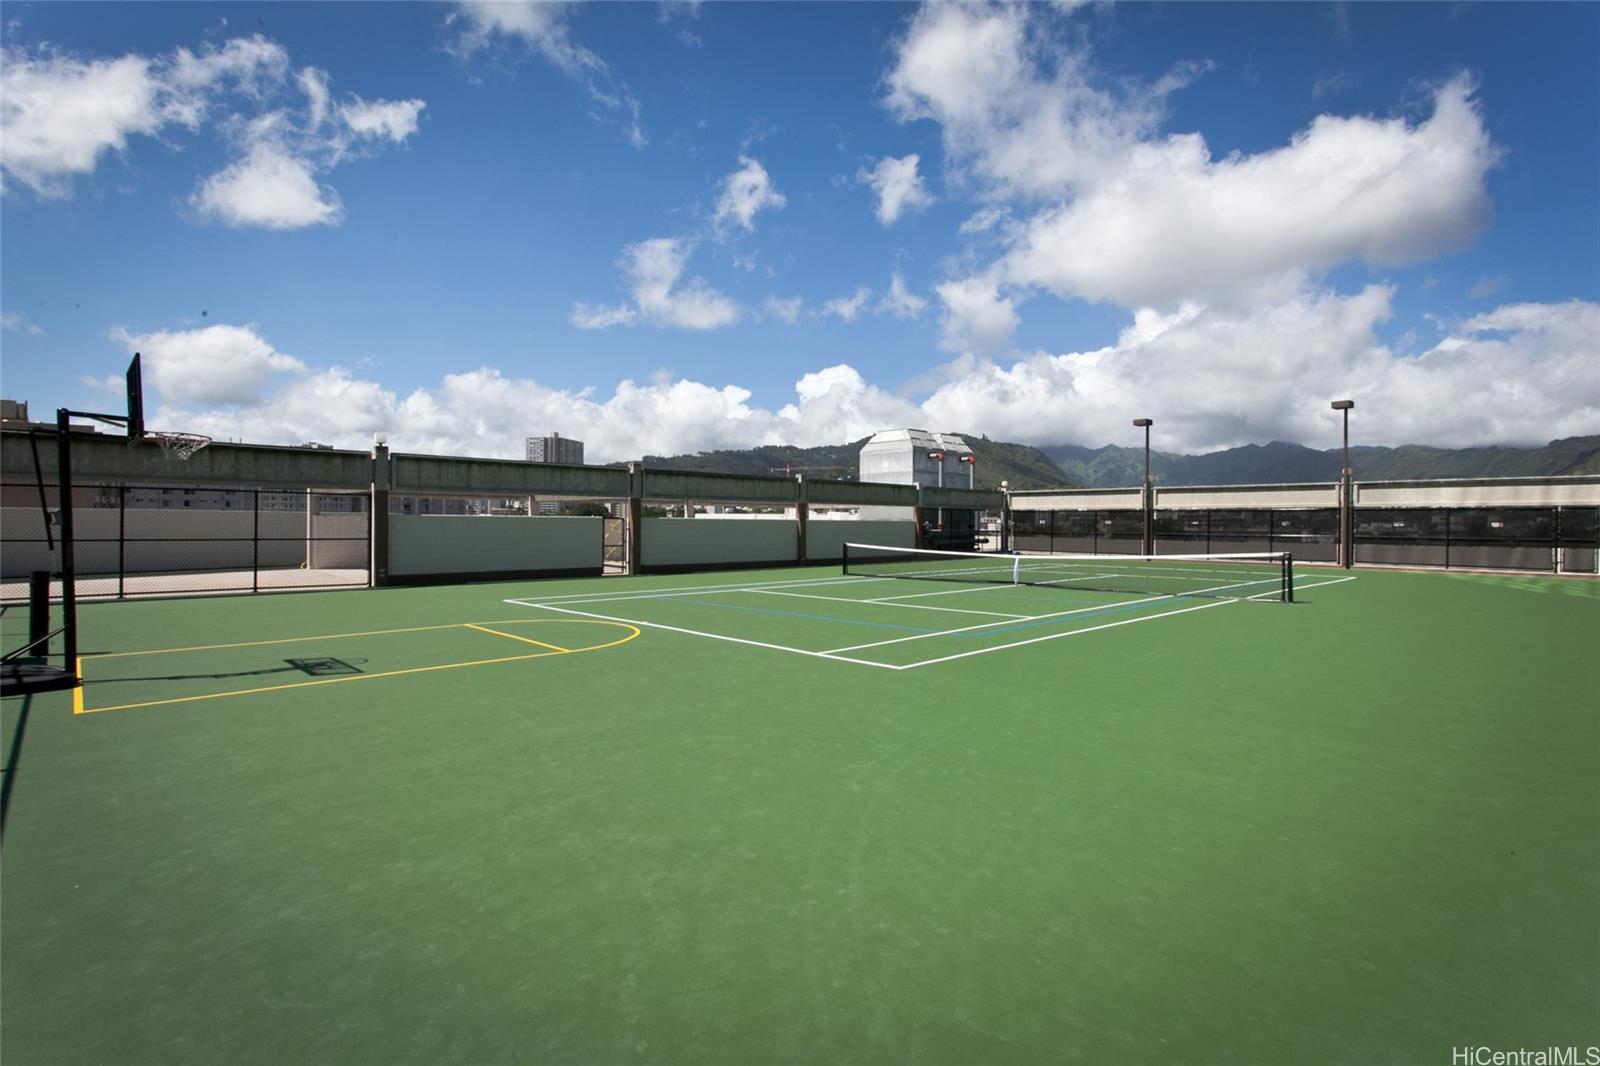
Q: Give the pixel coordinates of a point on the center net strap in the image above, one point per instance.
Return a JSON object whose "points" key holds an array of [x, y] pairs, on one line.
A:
{"points": [[1249, 575]]}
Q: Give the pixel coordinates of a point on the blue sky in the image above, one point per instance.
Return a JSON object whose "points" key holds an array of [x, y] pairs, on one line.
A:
{"points": [[672, 227]]}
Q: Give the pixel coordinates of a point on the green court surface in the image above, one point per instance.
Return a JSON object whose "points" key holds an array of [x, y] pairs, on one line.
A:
{"points": [[785, 815]]}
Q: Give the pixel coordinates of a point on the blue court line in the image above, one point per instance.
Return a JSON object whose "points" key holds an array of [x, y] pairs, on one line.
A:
{"points": [[700, 601]]}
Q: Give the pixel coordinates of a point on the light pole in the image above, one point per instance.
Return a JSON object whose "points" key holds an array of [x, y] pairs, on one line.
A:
{"points": [[938, 457], [1146, 499], [1346, 493]]}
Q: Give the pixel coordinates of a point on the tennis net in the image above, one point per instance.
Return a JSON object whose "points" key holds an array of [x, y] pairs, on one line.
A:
{"points": [[1242, 576]]}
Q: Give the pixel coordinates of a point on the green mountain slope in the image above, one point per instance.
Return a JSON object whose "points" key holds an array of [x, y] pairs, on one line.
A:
{"points": [[1280, 462], [1024, 466]]}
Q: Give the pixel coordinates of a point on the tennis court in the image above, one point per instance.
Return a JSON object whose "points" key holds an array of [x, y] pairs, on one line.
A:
{"points": [[780, 815]]}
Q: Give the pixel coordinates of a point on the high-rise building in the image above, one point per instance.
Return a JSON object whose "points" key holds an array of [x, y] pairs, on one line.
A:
{"points": [[555, 449]]}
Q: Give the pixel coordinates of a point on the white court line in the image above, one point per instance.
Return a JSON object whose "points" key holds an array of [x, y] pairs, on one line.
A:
{"points": [[1068, 633], [946, 592], [1036, 618], [885, 603], [713, 636], [656, 594]]}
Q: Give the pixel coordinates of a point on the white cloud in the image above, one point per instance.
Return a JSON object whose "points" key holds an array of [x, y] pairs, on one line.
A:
{"points": [[392, 119], [1217, 377], [17, 322], [1023, 128], [847, 307], [746, 191], [1176, 224], [900, 301], [1521, 373], [1486, 286], [542, 28], [60, 115], [314, 83], [270, 188], [221, 364], [784, 309], [976, 317], [599, 316], [898, 185], [1123, 213], [984, 220], [655, 269]]}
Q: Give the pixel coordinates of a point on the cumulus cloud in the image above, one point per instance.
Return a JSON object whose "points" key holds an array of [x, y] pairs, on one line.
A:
{"points": [[655, 270], [900, 301], [898, 185], [976, 317], [221, 364], [271, 188], [1109, 208], [61, 114], [17, 322], [1520, 373], [541, 26], [847, 307], [1177, 224], [1022, 126], [745, 192], [1486, 286], [784, 309]]}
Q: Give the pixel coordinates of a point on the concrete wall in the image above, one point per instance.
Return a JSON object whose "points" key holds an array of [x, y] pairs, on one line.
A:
{"points": [[825, 538], [675, 542], [1076, 499], [430, 545], [1247, 497], [1578, 491]]}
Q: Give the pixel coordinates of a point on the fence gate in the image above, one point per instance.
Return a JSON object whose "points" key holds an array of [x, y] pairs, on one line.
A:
{"points": [[614, 538]]}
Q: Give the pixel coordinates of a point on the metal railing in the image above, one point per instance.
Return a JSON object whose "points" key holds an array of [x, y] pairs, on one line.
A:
{"points": [[156, 540]]}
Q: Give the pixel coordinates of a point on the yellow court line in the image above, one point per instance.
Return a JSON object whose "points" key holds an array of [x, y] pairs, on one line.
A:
{"points": [[280, 640], [512, 636], [78, 707]]}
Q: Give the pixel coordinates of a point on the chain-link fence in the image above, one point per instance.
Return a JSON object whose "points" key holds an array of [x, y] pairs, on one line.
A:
{"points": [[1563, 539], [155, 540]]}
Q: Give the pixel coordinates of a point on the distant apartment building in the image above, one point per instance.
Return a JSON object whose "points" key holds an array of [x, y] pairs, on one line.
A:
{"points": [[555, 449]]}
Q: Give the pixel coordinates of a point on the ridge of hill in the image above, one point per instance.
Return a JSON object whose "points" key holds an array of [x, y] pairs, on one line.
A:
{"points": [[1283, 462], [1022, 465], [1070, 465]]}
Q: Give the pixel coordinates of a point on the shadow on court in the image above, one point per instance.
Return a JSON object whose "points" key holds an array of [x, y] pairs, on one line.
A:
{"points": [[324, 666]]}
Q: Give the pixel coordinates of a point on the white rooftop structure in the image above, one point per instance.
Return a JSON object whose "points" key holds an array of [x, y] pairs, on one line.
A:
{"points": [[917, 457]]}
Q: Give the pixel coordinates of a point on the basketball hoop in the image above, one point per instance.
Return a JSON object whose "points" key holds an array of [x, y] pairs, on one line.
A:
{"points": [[179, 445]]}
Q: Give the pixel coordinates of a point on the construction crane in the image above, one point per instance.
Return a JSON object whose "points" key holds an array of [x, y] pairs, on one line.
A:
{"points": [[789, 469]]}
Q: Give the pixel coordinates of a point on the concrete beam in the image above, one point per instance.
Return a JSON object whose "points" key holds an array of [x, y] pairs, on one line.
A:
{"points": [[421, 474], [862, 493], [963, 499], [102, 457], [690, 485]]}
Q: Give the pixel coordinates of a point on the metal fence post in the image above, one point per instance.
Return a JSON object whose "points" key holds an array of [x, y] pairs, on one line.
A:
{"points": [[122, 541], [255, 542]]}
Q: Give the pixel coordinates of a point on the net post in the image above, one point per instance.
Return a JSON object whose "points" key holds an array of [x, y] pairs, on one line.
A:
{"points": [[844, 562], [1288, 578]]}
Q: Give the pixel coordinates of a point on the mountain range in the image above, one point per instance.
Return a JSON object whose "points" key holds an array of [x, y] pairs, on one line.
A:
{"points": [[1027, 467]]}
